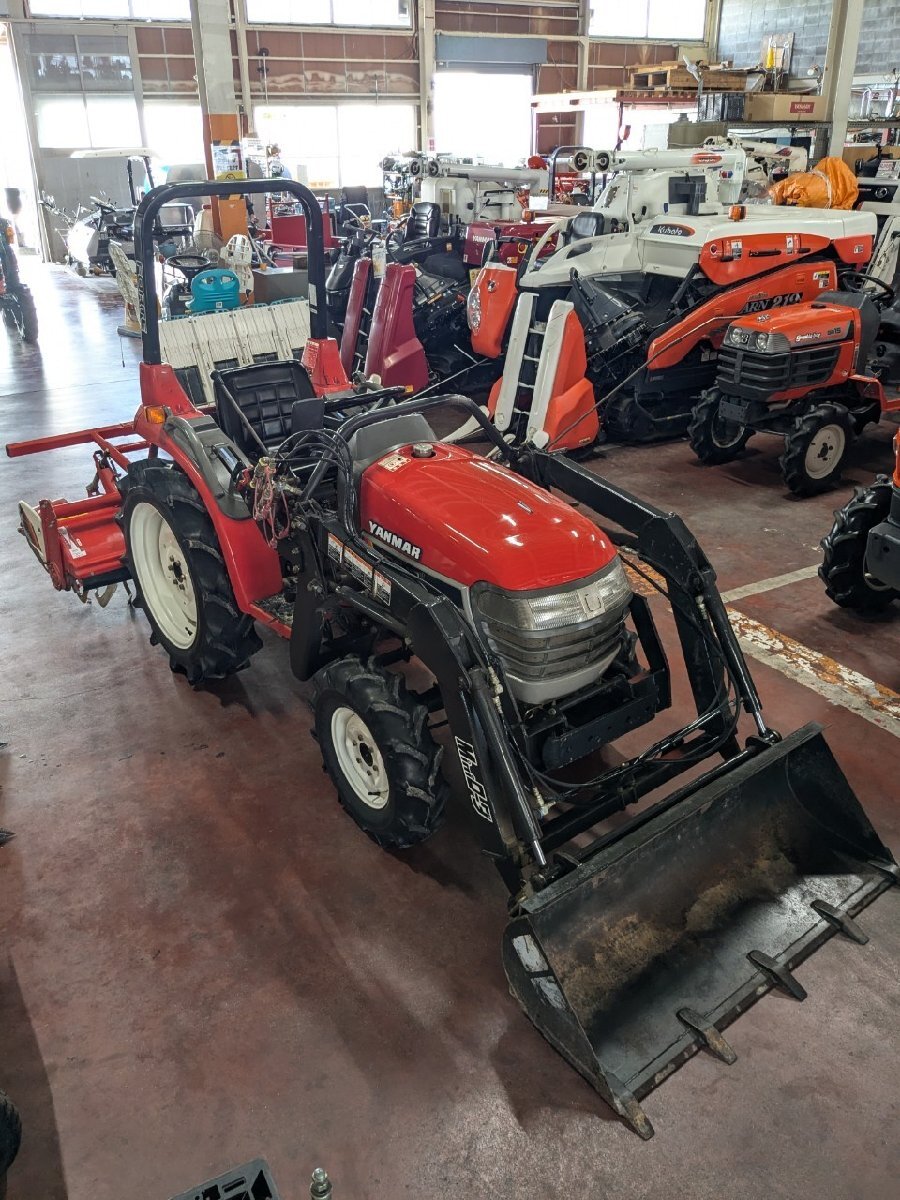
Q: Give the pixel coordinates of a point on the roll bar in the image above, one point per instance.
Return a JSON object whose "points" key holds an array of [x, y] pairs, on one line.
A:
{"points": [[144, 252]]}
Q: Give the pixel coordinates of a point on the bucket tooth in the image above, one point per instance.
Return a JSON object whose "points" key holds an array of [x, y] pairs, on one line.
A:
{"points": [[706, 1031], [842, 923], [778, 973], [890, 869], [626, 1105]]}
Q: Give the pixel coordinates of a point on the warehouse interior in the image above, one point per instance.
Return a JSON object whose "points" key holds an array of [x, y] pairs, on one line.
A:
{"points": [[450, 517]]}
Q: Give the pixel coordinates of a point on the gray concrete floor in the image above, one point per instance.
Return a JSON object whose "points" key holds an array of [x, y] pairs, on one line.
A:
{"points": [[202, 960]]}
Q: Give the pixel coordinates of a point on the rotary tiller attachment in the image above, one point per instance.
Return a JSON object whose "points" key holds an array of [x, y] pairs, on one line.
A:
{"points": [[670, 928]]}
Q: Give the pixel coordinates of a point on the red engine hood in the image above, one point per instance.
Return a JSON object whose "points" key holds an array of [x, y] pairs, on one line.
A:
{"points": [[470, 520]]}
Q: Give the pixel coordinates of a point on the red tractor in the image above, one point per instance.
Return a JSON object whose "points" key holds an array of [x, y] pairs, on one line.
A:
{"points": [[365, 543], [814, 374], [861, 555]]}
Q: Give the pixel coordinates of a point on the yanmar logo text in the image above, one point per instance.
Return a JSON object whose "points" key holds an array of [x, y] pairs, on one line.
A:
{"points": [[395, 541]]}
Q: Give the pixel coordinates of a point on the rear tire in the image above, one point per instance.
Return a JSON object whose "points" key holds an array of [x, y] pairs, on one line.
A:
{"points": [[10, 1137], [714, 439], [843, 569], [182, 584], [379, 753], [815, 448]]}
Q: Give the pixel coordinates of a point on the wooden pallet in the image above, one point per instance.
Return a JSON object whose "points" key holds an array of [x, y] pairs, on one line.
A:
{"points": [[673, 77]]}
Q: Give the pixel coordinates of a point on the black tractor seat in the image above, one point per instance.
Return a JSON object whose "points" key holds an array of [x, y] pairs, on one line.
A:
{"points": [[274, 398], [421, 234], [586, 225]]}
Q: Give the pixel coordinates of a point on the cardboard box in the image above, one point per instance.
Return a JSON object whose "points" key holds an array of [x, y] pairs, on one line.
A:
{"points": [[784, 106], [279, 283], [858, 152]]}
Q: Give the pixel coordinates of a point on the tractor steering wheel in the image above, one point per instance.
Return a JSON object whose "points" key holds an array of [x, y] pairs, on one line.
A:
{"points": [[392, 243], [188, 264], [856, 281]]}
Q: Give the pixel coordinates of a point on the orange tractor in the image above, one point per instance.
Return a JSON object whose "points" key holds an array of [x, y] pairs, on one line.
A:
{"points": [[813, 373]]}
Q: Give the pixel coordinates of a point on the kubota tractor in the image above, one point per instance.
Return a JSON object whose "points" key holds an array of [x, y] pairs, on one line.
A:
{"points": [[364, 542], [814, 373], [861, 555], [647, 281]]}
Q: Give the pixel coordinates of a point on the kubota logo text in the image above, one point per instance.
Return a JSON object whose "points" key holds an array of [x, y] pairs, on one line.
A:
{"points": [[477, 793]]}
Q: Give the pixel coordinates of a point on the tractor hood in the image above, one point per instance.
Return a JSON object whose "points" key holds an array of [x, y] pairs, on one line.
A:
{"points": [[470, 520], [726, 250], [801, 324]]}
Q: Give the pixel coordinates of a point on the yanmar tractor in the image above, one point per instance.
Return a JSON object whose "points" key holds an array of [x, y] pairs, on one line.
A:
{"points": [[861, 555], [814, 373], [364, 542], [628, 315]]}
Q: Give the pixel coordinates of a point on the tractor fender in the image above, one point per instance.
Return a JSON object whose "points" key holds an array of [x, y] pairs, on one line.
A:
{"points": [[207, 456]]}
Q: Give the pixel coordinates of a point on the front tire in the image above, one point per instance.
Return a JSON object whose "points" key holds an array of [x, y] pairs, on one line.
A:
{"points": [[713, 438], [10, 1138], [379, 753], [843, 570], [815, 448], [182, 584]]}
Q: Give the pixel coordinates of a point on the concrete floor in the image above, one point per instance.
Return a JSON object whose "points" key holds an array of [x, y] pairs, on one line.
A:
{"points": [[202, 960]]}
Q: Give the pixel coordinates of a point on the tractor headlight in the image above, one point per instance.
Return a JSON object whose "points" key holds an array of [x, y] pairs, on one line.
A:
{"points": [[738, 335], [552, 643], [771, 343], [473, 309], [540, 612]]}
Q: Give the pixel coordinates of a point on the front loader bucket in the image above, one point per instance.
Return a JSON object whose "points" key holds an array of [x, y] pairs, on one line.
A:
{"points": [[670, 928]]}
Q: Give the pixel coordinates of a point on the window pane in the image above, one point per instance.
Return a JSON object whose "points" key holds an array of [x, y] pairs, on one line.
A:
{"points": [[61, 122], [105, 64], [371, 12], [301, 131], [461, 99], [622, 20], [161, 10], [113, 121], [174, 131], [57, 8], [366, 133], [289, 12], [79, 8], [681, 20]]}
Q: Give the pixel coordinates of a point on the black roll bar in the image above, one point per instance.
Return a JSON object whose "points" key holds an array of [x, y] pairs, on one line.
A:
{"points": [[145, 255]]}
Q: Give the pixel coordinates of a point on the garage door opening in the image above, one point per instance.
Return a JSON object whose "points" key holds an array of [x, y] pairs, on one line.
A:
{"points": [[483, 114]]}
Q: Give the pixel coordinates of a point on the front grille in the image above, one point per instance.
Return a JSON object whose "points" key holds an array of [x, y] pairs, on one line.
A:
{"points": [[536, 657], [751, 372]]}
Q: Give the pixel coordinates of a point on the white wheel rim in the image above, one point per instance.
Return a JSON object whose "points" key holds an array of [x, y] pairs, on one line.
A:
{"points": [[825, 449], [720, 429], [163, 575], [359, 758]]}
